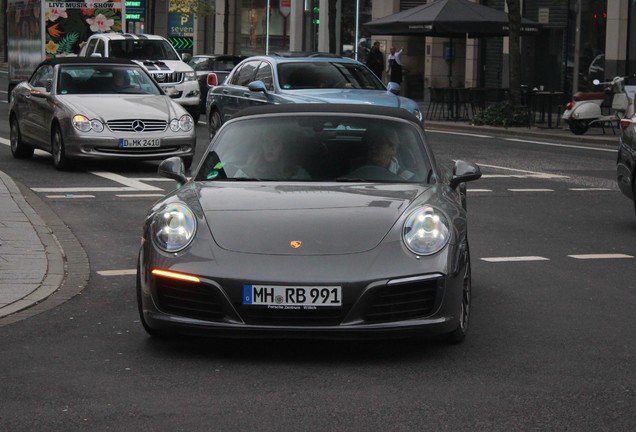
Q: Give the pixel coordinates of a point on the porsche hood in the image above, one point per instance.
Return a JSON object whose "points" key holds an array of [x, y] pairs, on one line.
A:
{"points": [[301, 220]]}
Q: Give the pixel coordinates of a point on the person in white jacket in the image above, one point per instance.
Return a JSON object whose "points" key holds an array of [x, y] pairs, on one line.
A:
{"points": [[394, 65]]}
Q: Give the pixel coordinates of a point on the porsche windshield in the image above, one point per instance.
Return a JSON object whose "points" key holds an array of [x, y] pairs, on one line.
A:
{"points": [[322, 147]]}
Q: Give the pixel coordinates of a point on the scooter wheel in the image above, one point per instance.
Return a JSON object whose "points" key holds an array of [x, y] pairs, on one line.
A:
{"points": [[578, 127]]}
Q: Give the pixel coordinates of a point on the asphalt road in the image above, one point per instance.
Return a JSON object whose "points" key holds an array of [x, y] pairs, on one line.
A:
{"points": [[551, 345]]}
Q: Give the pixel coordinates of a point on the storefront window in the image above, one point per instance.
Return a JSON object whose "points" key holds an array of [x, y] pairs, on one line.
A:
{"points": [[592, 43], [254, 34]]}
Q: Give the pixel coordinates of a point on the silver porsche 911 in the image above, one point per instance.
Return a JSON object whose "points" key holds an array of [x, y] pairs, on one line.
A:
{"points": [[301, 221], [95, 108]]}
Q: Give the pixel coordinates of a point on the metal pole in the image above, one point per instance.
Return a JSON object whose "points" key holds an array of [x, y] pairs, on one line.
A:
{"points": [[267, 30], [577, 49], [357, 41]]}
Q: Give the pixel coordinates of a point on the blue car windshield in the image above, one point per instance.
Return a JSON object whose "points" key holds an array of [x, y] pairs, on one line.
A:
{"points": [[318, 148], [326, 75]]}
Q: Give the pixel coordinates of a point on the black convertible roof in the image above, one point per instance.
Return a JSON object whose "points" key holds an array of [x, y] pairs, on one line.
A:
{"points": [[328, 108]]}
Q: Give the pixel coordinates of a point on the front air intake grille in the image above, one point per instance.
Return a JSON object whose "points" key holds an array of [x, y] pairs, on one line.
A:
{"points": [[137, 125], [192, 300], [167, 77], [412, 300], [259, 315]]}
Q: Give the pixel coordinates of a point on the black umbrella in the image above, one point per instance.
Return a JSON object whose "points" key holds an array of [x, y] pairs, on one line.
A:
{"points": [[449, 18]]}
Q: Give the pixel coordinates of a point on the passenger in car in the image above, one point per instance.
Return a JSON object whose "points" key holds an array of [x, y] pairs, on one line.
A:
{"points": [[382, 146], [273, 161]]}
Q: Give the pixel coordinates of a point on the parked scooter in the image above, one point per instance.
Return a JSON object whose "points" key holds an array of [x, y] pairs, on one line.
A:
{"points": [[585, 110]]}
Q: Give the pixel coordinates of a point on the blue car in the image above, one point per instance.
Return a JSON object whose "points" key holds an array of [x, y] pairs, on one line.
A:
{"points": [[279, 79]]}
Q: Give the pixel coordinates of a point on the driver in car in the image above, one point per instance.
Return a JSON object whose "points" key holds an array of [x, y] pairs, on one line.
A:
{"points": [[382, 151]]}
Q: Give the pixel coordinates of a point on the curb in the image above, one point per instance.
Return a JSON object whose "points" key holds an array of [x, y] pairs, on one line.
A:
{"points": [[67, 269]]}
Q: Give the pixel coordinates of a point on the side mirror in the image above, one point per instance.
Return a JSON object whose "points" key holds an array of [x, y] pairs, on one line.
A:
{"points": [[186, 57], [41, 92], [173, 168], [394, 88], [464, 171], [258, 86]]}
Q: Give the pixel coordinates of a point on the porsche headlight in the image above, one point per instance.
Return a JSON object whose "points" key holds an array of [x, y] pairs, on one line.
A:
{"points": [[426, 231], [173, 227], [84, 124]]}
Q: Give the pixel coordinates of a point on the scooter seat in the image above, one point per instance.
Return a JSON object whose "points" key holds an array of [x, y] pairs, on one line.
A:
{"points": [[581, 96]]}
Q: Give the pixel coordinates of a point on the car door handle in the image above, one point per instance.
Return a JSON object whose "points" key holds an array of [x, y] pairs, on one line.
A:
{"points": [[247, 94]]}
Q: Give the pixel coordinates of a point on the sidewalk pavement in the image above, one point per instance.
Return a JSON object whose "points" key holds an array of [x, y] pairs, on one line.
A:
{"points": [[40, 258]]}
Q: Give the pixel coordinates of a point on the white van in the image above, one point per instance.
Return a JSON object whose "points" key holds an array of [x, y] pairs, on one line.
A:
{"points": [[177, 79]]}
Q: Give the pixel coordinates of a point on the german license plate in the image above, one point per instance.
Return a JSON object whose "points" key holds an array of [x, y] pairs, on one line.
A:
{"points": [[139, 142], [292, 297]]}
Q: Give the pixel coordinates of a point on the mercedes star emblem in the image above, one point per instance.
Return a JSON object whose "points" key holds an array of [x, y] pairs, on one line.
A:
{"points": [[138, 126]]}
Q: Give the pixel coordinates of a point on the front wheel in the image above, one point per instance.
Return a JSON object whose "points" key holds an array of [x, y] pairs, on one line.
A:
{"points": [[214, 123], [458, 335], [634, 191], [151, 332], [578, 127], [19, 150], [60, 161]]}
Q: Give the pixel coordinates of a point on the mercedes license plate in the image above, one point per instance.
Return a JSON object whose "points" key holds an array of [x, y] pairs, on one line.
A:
{"points": [[292, 297], [139, 142]]}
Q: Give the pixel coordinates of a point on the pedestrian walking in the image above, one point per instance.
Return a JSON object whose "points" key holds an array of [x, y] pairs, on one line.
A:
{"points": [[394, 65], [375, 60]]}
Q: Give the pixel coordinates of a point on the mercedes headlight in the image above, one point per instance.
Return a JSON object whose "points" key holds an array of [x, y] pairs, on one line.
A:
{"points": [[184, 123], [426, 231], [173, 227], [84, 124]]}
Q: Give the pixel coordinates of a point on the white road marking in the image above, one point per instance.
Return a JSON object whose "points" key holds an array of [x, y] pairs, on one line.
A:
{"points": [[600, 256], [69, 196], [157, 179], [139, 195], [533, 173], [516, 176], [125, 272], [71, 190], [589, 189], [458, 133], [515, 259], [135, 184], [610, 150], [5, 141], [479, 190], [531, 190], [129, 185]]}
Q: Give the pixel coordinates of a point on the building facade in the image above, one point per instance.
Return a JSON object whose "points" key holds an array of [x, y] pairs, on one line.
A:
{"points": [[581, 40]]}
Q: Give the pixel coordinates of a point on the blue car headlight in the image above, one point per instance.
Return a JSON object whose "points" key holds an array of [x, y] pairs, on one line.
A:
{"points": [[426, 231], [173, 227]]}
